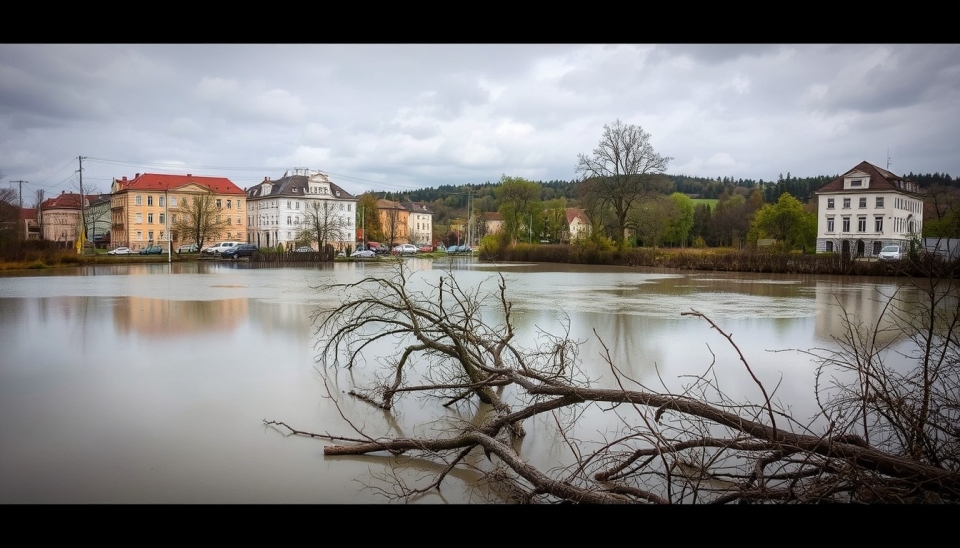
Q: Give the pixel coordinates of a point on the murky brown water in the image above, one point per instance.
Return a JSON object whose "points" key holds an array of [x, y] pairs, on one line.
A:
{"points": [[149, 383]]}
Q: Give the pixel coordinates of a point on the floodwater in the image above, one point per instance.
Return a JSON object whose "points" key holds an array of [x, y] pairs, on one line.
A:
{"points": [[150, 383]]}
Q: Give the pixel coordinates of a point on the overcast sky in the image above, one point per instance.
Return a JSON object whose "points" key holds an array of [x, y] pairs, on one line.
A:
{"points": [[395, 117]]}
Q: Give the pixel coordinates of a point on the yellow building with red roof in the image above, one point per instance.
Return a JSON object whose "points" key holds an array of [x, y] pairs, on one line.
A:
{"points": [[144, 210]]}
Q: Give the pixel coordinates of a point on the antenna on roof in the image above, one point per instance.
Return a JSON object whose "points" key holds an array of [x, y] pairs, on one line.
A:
{"points": [[888, 158]]}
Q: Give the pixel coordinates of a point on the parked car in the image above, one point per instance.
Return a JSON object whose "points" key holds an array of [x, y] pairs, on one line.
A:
{"points": [[120, 251], [220, 248], [187, 248], [305, 249], [405, 249], [363, 254], [237, 251], [425, 249], [152, 250], [890, 253]]}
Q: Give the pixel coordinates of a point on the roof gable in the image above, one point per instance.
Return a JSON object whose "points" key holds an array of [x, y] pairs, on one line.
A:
{"points": [[162, 182], [879, 179]]}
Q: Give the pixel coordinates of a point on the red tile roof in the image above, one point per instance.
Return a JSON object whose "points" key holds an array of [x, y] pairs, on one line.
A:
{"points": [[157, 181], [66, 200], [573, 213], [880, 179]]}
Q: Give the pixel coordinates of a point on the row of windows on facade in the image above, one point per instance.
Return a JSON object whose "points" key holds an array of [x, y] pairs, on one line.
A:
{"points": [[898, 224], [150, 235], [138, 199], [173, 219], [899, 203], [294, 205]]}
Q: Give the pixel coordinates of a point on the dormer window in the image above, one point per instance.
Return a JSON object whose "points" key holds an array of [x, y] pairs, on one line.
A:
{"points": [[856, 183]]}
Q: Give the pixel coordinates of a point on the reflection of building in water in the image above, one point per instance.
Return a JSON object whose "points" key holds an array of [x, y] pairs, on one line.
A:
{"points": [[163, 318], [866, 301]]}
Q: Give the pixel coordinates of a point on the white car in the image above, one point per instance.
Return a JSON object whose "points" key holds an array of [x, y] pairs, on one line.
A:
{"points": [[890, 253], [120, 251], [220, 248], [363, 254], [405, 249]]}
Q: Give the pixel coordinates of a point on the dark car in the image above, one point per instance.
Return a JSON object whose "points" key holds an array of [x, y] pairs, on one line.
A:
{"points": [[152, 250], [237, 251]]}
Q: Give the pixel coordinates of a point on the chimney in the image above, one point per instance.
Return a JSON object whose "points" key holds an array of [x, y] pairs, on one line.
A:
{"points": [[137, 176], [124, 178], [189, 174]]}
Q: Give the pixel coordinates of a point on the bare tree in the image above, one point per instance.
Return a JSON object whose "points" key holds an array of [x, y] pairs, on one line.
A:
{"points": [[620, 171], [324, 223], [695, 445], [199, 219]]}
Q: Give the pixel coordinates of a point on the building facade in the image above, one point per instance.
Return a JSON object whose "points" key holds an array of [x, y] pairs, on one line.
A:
{"points": [[578, 225], [301, 206], [145, 210], [867, 208], [59, 218], [419, 224]]}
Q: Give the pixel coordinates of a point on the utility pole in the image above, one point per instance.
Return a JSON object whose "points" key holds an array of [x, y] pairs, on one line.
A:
{"points": [[83, 210], [20, 235]]}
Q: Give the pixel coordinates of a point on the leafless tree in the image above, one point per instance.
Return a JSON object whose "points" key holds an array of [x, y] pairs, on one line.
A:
{"points": [[199, 219], [621, 171], [324, 223], [885, 438]]}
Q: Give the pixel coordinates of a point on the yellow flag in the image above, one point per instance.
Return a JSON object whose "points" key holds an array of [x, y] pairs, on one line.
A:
{"points": [[80, 242]]}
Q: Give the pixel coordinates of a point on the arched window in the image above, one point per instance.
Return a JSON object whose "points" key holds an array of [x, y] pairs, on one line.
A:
{"points": [[288, 220]]}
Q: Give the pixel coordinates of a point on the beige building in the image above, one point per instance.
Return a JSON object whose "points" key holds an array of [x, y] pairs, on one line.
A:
{"points": [[59, 217], [139, 208]]}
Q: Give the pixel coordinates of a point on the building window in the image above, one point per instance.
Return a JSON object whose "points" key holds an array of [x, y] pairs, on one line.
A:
{"points": [[856, 182], [298, 205], [239, 204], [830, 224], [846, 224], [829, 247], [879, 201], [288, 220], [229, 220], [863, 203], [149, 218], [846, 203], [288, 205], [218, 204], [139, 234], [878, 224], [139, 218], [173, 218], [137, 200], [150, 202], [160, 202], [341, 207], [150, 235], [173, 201], [861, 224], [229, 204], [348, 207], [161, 234], [163, 219]]}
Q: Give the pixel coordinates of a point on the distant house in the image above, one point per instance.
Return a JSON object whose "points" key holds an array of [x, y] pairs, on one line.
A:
{"points": [[394, 221], [492, 222], [419, 223], [578, 225], [58, 218], [278, 210], [139, 208], [867, 208]]}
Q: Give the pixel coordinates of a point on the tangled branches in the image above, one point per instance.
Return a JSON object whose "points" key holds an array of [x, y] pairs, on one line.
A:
{"points": [[887, 438]]}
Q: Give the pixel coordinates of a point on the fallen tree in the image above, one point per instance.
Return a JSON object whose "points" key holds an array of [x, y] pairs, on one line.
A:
{"points": [[882, 434]]}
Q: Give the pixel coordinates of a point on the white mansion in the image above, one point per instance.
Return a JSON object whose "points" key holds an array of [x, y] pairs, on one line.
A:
{"points": [[278, 211], [867, 208]]}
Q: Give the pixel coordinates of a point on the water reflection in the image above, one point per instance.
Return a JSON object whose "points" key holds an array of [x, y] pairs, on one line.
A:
{"points": [[148, 383]]}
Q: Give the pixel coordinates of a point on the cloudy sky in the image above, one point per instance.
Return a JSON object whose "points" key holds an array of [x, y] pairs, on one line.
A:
{"points": [[395, 117]]}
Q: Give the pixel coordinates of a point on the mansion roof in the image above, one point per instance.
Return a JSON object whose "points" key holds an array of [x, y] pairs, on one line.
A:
{"points": [[880, 180], [161, 182]]}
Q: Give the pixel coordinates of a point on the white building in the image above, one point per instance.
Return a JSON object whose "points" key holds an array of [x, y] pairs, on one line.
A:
{"points": [[867, 208], [419, 224], [279, 211]]}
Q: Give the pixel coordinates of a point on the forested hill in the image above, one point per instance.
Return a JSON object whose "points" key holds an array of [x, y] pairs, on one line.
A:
{"points": [[801, 188]]}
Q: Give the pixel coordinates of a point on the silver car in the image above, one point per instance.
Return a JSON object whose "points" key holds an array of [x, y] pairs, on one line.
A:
{"points": [[890, 253]]}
